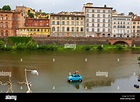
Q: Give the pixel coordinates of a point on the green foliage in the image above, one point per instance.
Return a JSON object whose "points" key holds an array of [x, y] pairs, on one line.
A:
{"points": [[20, 46], [6, 7], [2, 44], [15, 40], [31, 45], [99, 47], [42, 47], [119, 47], [51, 47], [87, 47], [31, 15]]}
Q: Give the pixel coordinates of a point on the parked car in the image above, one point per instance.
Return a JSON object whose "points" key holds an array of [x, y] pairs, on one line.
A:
{"points": [[74, 77]]}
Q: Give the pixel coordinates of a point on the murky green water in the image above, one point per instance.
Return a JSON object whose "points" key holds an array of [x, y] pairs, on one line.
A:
{"points": [[102, 71]]}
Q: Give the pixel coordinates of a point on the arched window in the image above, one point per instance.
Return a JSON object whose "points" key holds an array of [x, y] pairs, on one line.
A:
{"points": [[53, 28]]}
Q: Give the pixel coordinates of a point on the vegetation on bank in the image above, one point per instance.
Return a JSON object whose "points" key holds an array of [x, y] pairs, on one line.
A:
{"points": [[26, 43]]}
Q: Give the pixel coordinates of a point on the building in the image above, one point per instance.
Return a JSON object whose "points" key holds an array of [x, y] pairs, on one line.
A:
{"points": [[121, 25], [68, 24], [10, 21], [136, 26], [35, 27], [97, 20]]}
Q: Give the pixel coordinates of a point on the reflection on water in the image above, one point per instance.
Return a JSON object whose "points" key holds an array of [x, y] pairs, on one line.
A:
{"points": [[101, 71]]}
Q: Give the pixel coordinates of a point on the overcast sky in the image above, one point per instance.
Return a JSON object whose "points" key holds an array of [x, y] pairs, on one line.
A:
{"points": [[55, 6]]}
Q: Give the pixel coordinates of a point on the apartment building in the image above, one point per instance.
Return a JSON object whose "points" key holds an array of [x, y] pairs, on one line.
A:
{"points": [[35, 27], [121, 25], [136, 26], [68, 24], [10, 21], [97, 20]]}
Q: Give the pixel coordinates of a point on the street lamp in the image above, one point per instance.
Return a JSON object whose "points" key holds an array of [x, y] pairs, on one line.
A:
{"points": [[27, 83]]}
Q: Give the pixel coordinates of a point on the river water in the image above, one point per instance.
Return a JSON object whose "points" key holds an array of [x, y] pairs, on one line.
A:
{"points": [[102, 71]]}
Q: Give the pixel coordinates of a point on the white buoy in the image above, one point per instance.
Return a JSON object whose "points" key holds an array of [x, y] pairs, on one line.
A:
{"points": [[86, 59], [134, 73], [53, 59], [53, 87], [21, 88], [85, 87], [21, 59], [118, 59], [118, 87]]}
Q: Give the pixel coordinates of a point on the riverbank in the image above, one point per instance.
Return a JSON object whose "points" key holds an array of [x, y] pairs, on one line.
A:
{"points": [[28, 43]]}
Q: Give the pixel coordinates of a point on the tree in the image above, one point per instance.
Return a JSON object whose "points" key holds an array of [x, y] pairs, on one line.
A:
{"points": [[131, 13], [6, 7], [31, 15]]}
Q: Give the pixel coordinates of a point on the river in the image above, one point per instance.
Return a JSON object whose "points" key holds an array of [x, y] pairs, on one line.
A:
{"points": [[102, 71]]}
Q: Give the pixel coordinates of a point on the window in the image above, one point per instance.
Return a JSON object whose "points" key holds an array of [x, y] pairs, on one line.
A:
{"points": [[63, 18], [103, 15], [58, 29], [72, 29], [82, 29], [63, 29], [53, 22], [63, 22], [53, 28], [57, 18], [72, 18], [57, 22], [68, 29], [77, 29]]}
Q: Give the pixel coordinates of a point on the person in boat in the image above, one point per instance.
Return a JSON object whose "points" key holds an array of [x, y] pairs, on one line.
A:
{"points": [[76, 72]]}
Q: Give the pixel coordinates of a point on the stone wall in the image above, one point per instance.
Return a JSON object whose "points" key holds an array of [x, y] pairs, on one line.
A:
{"points": [[71, 40]]}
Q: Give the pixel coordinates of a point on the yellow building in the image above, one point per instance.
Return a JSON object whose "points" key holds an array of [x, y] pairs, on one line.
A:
{"points": [[35, 27]]}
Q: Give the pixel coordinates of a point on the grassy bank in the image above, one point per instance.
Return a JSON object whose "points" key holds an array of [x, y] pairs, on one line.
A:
{"points": [[26, 43]]}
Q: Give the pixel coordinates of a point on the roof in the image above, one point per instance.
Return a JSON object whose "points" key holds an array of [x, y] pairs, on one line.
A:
{"points": [[136, 19]]}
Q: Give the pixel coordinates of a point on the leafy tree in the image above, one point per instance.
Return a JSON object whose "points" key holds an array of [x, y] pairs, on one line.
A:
{"points": [[31, 15], [6, 7], [131, 13]]}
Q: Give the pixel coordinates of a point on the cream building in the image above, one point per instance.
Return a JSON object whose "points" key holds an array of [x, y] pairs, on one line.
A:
{"points": [[97, 20], [136, 26], [67, 24], [121, 25]]}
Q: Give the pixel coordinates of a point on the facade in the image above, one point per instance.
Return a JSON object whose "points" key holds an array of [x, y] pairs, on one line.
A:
{"points": [[121, 25], [136, 26], [10, 21], [67, 24], [97, 20], [35, 27]]}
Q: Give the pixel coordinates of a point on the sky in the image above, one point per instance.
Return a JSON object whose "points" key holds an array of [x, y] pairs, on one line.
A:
{"points": [[55, 6]]}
